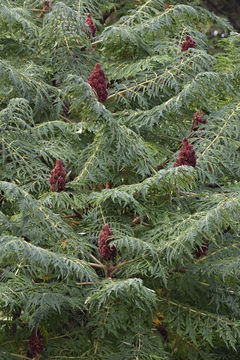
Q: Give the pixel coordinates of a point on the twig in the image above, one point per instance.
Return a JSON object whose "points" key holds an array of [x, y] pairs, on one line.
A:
{"points": [[69, 216], [64, 118], [117, 267], [18, 356], [39, 10], [18, 268], [94, 258], [170, 138], [104, 221], [64, 357], [96, 42], [188, 193], [155, 172], [96, 265], [85, 283]]}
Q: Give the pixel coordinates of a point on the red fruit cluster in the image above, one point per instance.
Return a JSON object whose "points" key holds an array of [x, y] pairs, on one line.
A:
{"points": [[105, 251], [201, 251], [163, 331], [167, 6], [66, 108], [58, 177], [36, 343], [46, 6], [90, 24], [189, 43], [186, 155], [198, 117], [98, 81]]}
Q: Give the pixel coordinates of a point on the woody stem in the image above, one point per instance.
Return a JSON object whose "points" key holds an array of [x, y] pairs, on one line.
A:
{"points": [[108, 269], [117, 267], [95, 259], [97, 265]]}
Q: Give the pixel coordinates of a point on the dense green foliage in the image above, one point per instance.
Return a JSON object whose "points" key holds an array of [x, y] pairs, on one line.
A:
{"points": [[119, 157]]}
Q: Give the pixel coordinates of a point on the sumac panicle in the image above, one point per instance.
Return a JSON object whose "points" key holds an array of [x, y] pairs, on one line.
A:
{"points": [[186, 155], [58, 177], [163, 331], [46, 6], [98, 81], [90, 24], [36, 343], [189, 43], [105, 251], [201, 251], [198, 117]]}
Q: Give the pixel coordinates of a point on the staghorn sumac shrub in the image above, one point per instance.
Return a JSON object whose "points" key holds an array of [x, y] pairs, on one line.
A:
{"points": [[92, 297]]}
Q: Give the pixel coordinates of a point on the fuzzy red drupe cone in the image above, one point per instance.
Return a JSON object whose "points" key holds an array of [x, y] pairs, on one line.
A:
{"points": [[46, 6], [105, 251], [186, 155], [98, 81], [163, 331], [36, 343], [90, 24], [198, 117], [167, 6], [66, 108], [201, 251], [189, 43], [58, 177]]}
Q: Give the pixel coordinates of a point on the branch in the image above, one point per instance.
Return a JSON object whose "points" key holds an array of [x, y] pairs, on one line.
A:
{"points": [[96, 265], [84, 283], [94, 258], [64, 118], [117, 267], [170, 72], [96, 42], [18, 356], [70, 216], [39, 10]]}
